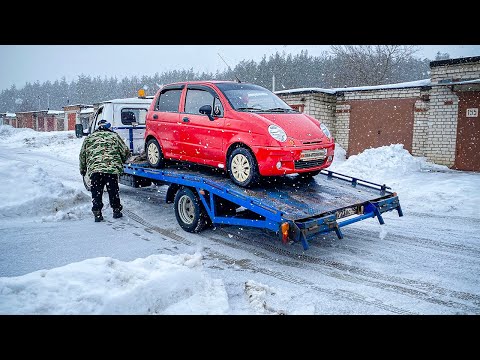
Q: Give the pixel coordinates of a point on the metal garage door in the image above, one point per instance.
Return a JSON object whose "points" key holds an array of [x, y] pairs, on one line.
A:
{"points": [[375, 123], [467, 154]]}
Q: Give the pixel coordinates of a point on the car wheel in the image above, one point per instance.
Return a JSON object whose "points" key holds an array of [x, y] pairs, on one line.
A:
{"points": [[242, 167], [87, 182], [154, 154], [189, 211]]}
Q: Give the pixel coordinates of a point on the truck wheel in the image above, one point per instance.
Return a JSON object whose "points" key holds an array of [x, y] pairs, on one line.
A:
{"points": [[87, 182], [189, 211], [154, 154], [242, 167]]}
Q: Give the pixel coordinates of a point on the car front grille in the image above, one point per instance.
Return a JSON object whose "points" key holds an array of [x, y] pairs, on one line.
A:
{"points": [[299, 164]]}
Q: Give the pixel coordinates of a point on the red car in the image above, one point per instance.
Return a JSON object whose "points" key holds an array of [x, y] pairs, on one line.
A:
{"points": [[242, 128]]}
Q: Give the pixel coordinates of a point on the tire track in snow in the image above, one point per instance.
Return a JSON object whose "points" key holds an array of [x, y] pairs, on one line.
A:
{"points": [[247, 265], [415, 288]]}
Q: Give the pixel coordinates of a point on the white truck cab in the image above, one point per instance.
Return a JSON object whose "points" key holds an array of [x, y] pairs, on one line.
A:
{"points": [[127, 117]]}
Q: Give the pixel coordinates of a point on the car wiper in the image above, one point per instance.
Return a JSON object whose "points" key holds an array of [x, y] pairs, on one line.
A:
{"points": [[278, 109], [249, 108]]}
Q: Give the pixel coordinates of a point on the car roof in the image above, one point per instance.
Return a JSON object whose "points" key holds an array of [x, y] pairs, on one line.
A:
{"points": [[201, 82]]}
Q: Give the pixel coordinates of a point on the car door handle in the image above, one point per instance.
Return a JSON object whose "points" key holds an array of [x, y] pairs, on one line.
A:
{"points": [[185, 119], [155, 116]]}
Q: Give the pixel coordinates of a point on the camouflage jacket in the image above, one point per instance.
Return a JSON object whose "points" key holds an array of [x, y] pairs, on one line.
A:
{"points": [[103, 151]]}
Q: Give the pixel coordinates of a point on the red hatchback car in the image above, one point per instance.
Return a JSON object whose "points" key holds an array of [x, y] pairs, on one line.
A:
{"points": [[242, 128]]}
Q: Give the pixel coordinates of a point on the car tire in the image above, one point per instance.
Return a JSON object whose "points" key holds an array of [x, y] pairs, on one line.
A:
{"points": [[242, 167], [154, 154], [189, 211]]}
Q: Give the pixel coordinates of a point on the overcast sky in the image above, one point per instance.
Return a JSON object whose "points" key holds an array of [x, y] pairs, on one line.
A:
{"points": [[28, 63]]}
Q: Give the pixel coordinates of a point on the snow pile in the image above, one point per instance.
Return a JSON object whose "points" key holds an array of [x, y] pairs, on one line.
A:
{"points": [[32, 192], [386, 162], [9, 134], [422, 186], [157, 284], [30, 138], [256, 295]]}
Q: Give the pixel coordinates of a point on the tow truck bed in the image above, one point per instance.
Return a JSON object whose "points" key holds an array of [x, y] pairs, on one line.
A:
{"points": [[296, 208]]}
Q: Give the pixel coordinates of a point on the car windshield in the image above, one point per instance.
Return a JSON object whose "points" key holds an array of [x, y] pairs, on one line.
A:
{"points": [[249, 97]]}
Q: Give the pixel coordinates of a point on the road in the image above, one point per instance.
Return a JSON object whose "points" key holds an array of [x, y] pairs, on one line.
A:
{"points": [[416, 264]]}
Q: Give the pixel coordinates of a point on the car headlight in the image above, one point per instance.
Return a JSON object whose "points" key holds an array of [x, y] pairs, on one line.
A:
{"points": [[277, 133], [325, 131]]}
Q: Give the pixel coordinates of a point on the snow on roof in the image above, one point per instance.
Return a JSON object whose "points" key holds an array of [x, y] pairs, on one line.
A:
{"points": [[416, 83], [54, 112], [305, 90], [79, 105], [463, 82], [9, 114], [133, 100], [87, 110]]}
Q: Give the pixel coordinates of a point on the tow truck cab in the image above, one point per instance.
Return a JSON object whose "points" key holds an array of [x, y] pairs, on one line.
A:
{"points": [[127, 117]]}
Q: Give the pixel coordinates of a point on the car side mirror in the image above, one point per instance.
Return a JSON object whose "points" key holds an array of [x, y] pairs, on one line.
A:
{"points": [[207, 110]]}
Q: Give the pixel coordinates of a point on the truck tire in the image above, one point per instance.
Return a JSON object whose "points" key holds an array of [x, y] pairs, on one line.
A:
{"points": [[242, 167], [189, 211], [154, 154]]}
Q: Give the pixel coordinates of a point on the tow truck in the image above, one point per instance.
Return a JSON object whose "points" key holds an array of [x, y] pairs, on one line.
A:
{"points": [[294, 207]]}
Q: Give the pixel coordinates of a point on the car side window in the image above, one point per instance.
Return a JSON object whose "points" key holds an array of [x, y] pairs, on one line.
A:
{"points": [[195, 99], [169, 100]]}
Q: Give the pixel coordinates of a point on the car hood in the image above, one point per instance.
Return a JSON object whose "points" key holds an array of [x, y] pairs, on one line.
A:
{"points": [[297, 126]]}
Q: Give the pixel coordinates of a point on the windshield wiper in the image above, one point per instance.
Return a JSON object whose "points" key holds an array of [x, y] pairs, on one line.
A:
{"points": [[279, 109], [249, 108]]}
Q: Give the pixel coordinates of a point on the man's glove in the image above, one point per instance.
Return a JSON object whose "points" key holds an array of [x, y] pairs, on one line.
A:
{"points": [[83, 172]]}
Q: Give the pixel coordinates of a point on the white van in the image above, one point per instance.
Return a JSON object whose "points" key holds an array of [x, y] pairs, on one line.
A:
{"points": [[127, 117]]}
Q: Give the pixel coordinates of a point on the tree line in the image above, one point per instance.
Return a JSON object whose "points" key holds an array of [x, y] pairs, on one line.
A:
{"points": [[343, 66]]}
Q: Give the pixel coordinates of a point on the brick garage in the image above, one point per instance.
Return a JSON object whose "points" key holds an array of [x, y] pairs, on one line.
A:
{"points": [[78, 113], [436, 118], [27, 119], [45, 120]]}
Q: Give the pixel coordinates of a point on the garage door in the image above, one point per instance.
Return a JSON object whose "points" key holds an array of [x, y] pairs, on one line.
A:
{"points": [[375, 123], [468, 131]]}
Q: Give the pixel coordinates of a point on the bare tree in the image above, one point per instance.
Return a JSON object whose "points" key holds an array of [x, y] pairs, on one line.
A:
{"points": [[370, 64], [442, 56]]}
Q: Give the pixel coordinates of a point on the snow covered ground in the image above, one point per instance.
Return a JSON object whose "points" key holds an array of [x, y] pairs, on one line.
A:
{"points": [[54, 259]]}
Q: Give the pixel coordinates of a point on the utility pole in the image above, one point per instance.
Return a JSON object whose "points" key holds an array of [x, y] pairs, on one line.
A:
{"points": [[273, 82], [48, 101]]}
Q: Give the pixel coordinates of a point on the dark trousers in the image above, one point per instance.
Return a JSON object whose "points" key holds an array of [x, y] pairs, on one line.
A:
{"points": [[99, 181]]}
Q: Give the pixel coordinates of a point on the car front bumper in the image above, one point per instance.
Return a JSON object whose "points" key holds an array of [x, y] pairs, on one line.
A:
{"points": [[275, 161]]}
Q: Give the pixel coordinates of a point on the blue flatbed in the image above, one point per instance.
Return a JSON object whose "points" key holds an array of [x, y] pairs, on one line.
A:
{"points": [[297, 209]]}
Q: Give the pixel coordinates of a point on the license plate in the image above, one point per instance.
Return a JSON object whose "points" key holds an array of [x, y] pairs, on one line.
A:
{"points": [[313, 154], [347, 212]]}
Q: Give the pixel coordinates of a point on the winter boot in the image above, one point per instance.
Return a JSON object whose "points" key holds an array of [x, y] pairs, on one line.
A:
{"points": [[117, 213], [98, 216]]}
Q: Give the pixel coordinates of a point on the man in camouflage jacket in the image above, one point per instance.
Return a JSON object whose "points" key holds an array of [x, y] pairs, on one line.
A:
{"points": [[102, 156]]}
